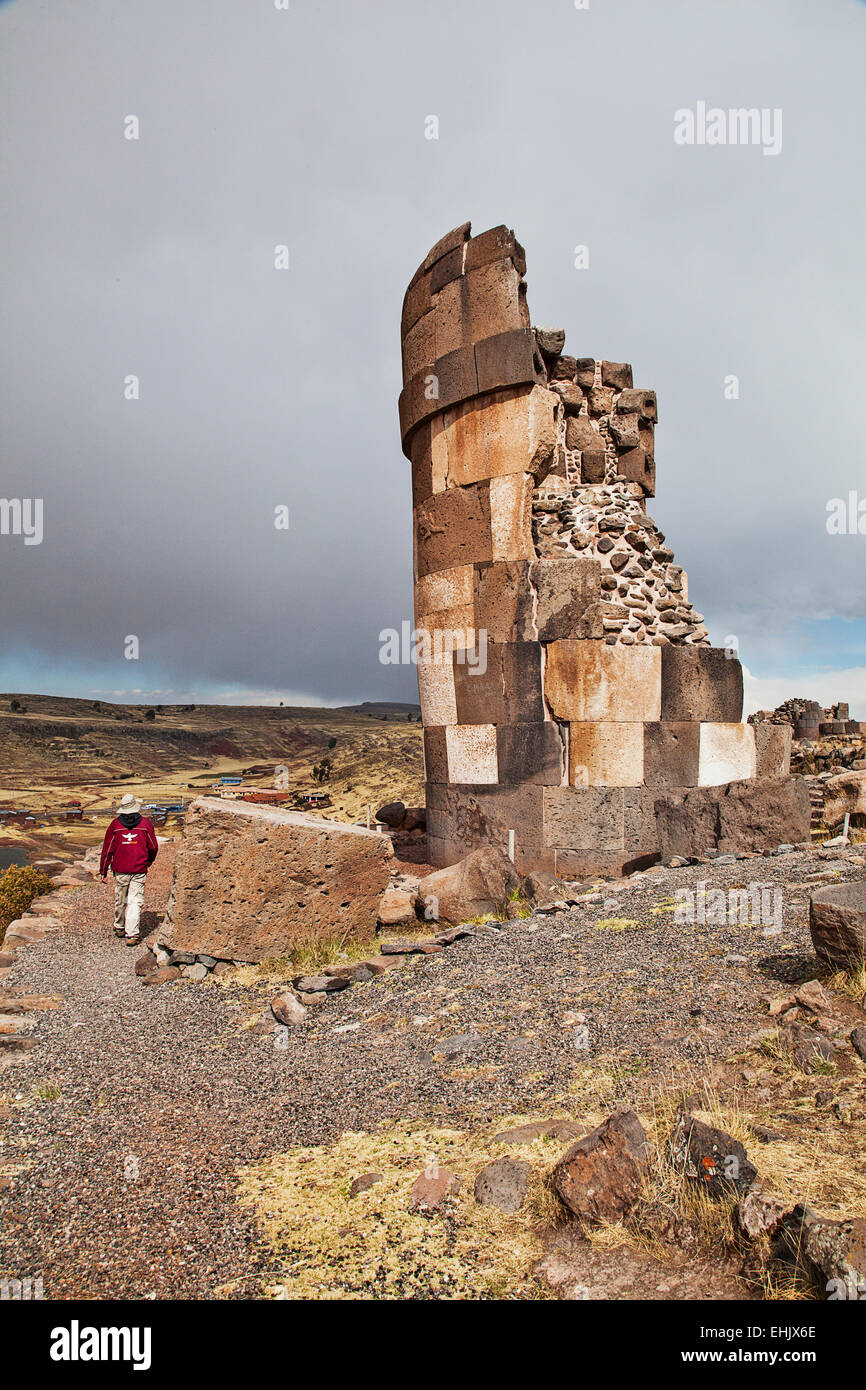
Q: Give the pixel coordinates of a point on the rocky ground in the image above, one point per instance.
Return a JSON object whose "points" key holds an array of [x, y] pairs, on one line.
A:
{"points": [[172, 1141]]}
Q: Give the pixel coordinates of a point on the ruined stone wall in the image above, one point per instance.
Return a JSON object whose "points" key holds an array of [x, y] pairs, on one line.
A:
{"points": [[602, 717]]}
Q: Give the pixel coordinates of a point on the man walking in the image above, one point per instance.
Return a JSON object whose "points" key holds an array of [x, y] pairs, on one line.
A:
{"points": [[129, 849]]}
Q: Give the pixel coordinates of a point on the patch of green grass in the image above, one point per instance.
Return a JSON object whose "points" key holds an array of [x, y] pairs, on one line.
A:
{"points": [[19, 885], [47, 1092]]}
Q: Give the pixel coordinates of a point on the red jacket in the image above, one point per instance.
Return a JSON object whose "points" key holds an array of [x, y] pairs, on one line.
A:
{"points": [[128, 851]]}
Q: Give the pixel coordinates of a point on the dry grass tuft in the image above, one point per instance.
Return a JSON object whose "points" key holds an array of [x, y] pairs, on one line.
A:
{"points": [[850, 983], [618, 924], [371, 1246]]}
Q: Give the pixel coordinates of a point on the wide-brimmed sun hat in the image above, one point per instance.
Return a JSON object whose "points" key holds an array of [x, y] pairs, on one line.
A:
{"points": [[129, 805]]}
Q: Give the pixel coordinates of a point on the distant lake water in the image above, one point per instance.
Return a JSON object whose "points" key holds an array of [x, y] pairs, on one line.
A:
{"points": [[11, 854]]}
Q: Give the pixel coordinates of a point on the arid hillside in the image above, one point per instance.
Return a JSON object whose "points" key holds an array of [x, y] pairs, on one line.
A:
{"points": [[54, 751]]}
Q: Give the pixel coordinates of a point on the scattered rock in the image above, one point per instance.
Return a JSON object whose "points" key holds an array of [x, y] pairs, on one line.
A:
{"points": [[540, 888], [759, 1213], [197, 973], [408, 947], [146, 964], [431, 1188], [806, 1045], [541, 1129], [474, 887], [813, 996], [710, 1157], [858, 1042], [287, 1008], [837, 922], [824, 1250], [30, 1003], [396, 908], [162, 975], [357, 973], [363, 1183], [600, 1177], [503, 1184], [321, 984], [16, 1042], [447, 938], [391, 814], [844, 794]]}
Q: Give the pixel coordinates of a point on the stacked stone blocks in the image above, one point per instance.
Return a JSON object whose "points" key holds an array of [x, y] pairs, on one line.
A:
{"points": [[599, 720]]}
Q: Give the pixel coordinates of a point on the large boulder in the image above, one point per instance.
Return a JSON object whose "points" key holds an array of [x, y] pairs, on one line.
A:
{"points": [[601, 1176], [473, 887], [252, 881], [833, 1253], [844, 794], [837, 921]]}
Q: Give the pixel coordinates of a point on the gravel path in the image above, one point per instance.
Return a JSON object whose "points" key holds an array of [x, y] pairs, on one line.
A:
{"points": [[123, 1129]]}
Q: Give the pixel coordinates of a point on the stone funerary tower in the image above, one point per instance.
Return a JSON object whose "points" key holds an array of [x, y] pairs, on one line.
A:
{"points": [[603, 729]]}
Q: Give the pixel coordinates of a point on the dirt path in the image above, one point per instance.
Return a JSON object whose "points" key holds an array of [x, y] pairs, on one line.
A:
{"points": [[124, 1127]]}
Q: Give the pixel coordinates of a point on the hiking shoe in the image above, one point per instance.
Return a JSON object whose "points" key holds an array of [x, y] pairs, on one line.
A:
{"points": [[119, 933], [134, 940]]}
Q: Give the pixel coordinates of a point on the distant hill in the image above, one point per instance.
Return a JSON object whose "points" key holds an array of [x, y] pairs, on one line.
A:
{"points": [[53, 747]]}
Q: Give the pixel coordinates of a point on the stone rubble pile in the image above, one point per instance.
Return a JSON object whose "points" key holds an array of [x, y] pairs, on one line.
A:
{"points": [[646, 591]]}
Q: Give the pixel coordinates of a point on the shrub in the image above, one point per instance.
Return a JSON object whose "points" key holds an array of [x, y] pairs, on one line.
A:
{"points": [[19, 885]]}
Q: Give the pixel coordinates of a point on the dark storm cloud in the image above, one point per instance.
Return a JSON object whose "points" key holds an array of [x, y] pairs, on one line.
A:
{"points": [[260, 387]]}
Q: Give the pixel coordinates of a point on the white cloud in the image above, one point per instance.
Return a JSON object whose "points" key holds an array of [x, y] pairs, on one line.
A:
{"points": [[827, 687]]}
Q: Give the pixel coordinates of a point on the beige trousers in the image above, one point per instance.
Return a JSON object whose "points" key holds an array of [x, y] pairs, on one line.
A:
{"points": [[128, 901]]}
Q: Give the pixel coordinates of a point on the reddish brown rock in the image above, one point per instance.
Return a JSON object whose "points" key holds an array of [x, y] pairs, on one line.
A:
{"points": [[844, 795], [288, 1009], [396, 908], [601, 1176], [162, 976], [431, 1188], [837, 922], [477, 885], [252, 881]]}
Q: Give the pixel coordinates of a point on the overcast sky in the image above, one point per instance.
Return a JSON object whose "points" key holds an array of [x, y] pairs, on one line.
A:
{"points": [[262, 387]]}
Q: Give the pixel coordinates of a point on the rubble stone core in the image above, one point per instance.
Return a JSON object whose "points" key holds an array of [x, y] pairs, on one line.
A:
{"points": [[568, 689]]}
